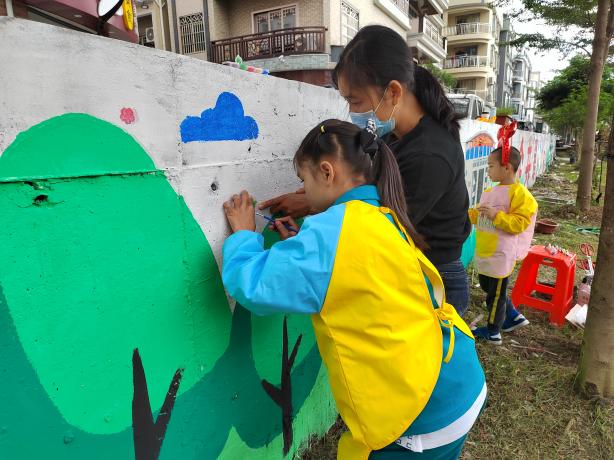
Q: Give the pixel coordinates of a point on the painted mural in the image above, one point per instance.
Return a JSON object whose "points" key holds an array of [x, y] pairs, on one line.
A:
{"points": [[479, 139], [117, 340], [84, 275]]}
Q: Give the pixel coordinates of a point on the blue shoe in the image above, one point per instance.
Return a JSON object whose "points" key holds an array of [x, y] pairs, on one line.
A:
{"points": [[483, 333], [510, 324]]}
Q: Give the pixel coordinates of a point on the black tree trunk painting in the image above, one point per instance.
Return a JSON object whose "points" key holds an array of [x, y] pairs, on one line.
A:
{"points": [[283, 395], [149, 435]]}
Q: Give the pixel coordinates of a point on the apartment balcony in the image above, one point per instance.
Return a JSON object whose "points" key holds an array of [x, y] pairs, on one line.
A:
{"points": [[518, 75], [467, 62], [427, 43], [471, 31], [287, 42], [399, 10], [428, 7]]}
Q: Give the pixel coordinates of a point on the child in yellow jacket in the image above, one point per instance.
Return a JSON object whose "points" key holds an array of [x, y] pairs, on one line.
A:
{"points": [[505, 220]]}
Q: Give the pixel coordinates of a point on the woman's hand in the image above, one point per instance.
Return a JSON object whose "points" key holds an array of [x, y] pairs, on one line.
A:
{"points": [[291, 204], [281, 226], [240, 212]]}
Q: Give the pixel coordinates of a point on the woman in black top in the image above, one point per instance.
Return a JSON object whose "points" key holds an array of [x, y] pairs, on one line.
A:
{"points": [[377, 77]]}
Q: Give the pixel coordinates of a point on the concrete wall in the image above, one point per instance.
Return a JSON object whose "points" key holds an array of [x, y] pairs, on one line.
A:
{"points": [[117, 339], [111, 303]]}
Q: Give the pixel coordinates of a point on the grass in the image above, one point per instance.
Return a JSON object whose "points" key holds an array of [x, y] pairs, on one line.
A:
{"points": [[533, 412]]}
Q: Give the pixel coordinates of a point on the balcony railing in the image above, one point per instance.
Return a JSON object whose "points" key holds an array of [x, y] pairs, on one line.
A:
{"points": [[297, 40], [402, 5], [466, 62], [468, 29], [433, 33]]}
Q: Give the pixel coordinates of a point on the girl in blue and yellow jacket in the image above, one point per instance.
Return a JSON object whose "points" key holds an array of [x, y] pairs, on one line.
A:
{"points": [[401, 363]]}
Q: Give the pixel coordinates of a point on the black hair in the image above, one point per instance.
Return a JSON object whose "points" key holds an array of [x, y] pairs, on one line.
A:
{"points": [[368, 156], [377, 55], [514, 159]]}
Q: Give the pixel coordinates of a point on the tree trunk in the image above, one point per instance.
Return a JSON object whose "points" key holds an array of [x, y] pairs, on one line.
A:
{"points": [[601, 42], [596, 370]]}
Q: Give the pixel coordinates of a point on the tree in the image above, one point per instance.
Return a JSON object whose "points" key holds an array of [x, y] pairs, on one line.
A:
{"points": [[445, 78], [563, 101], [601, 43], [593, 21], [596, 369]]}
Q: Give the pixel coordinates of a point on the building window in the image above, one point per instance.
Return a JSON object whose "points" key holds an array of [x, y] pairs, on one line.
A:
{"points": [[349, 22], [468, 84], [281, 18], [466, 51], [192, 33], [469, 19]]}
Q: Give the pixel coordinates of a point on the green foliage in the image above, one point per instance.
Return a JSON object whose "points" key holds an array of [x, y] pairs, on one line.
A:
{"points": [[563, 101], [573, 78], [444, 77], [571, 111], [505, 111]]}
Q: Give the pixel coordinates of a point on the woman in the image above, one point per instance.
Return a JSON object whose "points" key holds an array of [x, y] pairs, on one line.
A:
{"points": [[377, 77]]}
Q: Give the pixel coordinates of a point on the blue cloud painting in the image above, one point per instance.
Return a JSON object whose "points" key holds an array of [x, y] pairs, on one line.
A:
{"points": [[225, 122]]}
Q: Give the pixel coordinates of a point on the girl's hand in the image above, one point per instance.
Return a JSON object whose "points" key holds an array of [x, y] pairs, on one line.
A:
{"points": [[292, 204], [488, 211], [280, 228], [240, 212]]}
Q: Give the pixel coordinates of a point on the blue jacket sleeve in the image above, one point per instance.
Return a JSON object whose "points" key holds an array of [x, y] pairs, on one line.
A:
{"points": [[292, 276]]}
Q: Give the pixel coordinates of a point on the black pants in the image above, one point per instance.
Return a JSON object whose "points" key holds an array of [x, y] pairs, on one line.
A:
{"points": [[496, 300]]}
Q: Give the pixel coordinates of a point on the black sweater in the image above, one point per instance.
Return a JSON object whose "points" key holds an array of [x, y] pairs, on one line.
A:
{"points": [[432, 166]]}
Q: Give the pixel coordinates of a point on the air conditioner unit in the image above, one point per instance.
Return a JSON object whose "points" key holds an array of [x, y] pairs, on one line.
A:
{"points": [[491, 81], [149, 35]]}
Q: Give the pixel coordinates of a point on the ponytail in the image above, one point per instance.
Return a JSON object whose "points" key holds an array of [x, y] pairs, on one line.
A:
{"points": [[368, 156], [434, 102], [390, 187], [377, 55]]}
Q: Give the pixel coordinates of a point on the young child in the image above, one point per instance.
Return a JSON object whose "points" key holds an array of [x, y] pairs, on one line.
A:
{"points": [[402, 364], [505, 220]]}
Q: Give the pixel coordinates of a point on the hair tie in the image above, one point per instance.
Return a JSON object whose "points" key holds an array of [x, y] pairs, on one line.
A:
{"points": [[322, 128], [505, 137], [369, 142]]}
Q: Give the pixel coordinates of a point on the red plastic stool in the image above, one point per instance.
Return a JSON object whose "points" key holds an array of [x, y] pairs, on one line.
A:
{"points": [[561, 295]]}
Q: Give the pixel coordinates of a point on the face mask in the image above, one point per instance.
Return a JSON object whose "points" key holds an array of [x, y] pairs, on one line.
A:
{"points": [[382, 127]]}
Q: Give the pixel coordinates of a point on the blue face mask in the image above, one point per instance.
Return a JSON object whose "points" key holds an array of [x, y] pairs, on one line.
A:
{"points": [[382, 127]]}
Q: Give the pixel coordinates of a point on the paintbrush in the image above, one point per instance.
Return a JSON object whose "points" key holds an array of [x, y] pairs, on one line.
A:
{"points": [[272, 221]]}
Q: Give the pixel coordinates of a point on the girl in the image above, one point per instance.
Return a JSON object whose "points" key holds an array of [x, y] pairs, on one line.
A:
{"points": [[402, 364], [377, 77]]}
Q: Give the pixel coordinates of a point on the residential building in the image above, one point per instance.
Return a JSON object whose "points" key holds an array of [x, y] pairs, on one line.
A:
{"points": [[506, 64], [299, 40], [520, 85], [426, 38], [79, 15], [472, 31], [534, 87]]}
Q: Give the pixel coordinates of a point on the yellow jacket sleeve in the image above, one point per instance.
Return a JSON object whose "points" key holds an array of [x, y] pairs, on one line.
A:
{"points": [[473, 216], [522, 207]]}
